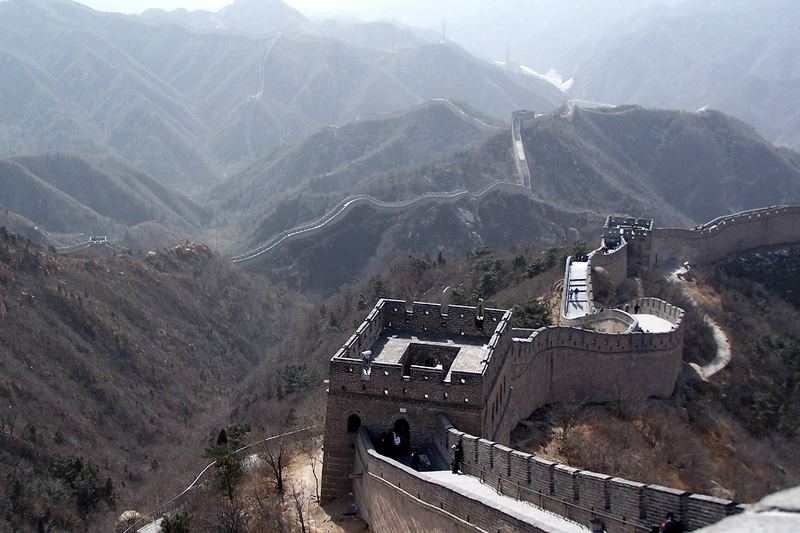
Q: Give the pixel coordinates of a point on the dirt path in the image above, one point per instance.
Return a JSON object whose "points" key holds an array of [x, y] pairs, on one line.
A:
{"points": [[332, 518], [723, 356]]}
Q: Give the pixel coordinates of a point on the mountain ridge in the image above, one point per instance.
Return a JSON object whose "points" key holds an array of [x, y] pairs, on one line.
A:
{"points": [[189, 106]]}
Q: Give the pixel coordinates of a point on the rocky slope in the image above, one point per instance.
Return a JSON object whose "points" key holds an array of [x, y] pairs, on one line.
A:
{"points": [[67, 194], [126, 363]]}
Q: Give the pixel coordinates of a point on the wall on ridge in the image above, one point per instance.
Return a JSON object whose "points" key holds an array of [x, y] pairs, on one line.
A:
{"points": [[725, 235], [557, 364], [582, 495], [393, 498], [614, 262]]}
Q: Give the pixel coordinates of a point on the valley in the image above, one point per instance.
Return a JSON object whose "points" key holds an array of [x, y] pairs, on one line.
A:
{"points": [[198, 209]]}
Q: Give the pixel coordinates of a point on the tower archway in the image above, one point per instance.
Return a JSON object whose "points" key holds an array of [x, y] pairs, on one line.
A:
{"points": [[353, 423], [403, 430]]}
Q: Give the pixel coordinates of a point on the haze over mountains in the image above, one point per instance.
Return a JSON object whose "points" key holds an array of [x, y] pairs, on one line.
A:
{"points": [[677, 167], [736, 56], [221, 130], [96, 195], [375, 156], [187, 107]]}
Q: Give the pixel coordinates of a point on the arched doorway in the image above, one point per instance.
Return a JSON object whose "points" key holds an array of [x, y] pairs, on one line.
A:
{"points": [[353, 423], [403, 430]]}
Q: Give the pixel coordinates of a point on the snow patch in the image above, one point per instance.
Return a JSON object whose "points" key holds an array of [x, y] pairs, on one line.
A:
{"points": [[552, 77]]}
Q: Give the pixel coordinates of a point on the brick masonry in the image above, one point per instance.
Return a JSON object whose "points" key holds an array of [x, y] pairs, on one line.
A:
{"points": [[524, 370]]}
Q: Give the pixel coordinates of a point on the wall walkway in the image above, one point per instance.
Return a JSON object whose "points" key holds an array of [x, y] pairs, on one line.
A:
{"points": [[582, 495], [394, 498]]}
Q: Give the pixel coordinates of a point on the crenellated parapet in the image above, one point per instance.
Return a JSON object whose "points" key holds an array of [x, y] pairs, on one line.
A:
{"points": [[577, 494], [425, 369], [717, 238]]}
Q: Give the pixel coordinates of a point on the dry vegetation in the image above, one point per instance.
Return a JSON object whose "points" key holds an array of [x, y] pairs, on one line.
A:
{"points": [[122, 336], [122, 365], [731, 436]]}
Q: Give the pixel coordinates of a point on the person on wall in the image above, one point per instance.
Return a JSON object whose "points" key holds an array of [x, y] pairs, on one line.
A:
{"points": [[415, 460], [458, 456], [671, 524]]}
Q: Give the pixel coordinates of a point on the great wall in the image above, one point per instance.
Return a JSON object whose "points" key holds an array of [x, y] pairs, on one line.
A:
{"points": [[340, 210], [445, 374], [442, 374]]}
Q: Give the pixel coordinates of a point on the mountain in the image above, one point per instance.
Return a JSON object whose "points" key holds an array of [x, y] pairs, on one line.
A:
{"points": [[189, 106], [738, 57], [678, 167], [539, 33], [383, 36], [67, 86], [300, 182], [367, 239], [94, 195], [253, 17], [431, 70], [123, 367]]}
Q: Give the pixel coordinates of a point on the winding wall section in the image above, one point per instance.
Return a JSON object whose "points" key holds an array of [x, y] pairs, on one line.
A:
{"points": [[715, 239], [340, 211]]}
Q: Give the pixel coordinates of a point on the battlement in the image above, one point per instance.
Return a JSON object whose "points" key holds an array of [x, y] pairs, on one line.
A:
{"points": [[411, 364], [581, 495], [628, 228], [716, 238], [460, 342]]}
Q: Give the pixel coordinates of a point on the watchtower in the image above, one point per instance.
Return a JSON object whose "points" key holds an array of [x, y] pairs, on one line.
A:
{"points": [[405, 364], [637, 233]]}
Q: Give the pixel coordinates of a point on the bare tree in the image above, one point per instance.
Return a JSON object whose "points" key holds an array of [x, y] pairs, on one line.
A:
{"points": [[276, 458], [310, 449], [230, 517], [566, 415], [299, 495], [8, 423], [268, 512]]}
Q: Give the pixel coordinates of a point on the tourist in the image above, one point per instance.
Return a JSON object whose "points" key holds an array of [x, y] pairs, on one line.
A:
{"points": [[390, 445], [458, 456], [382, 440], [671, 524], [415, 460]]}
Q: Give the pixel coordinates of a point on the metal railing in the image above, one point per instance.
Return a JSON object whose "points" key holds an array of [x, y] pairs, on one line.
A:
{"points": [[177, 501]]}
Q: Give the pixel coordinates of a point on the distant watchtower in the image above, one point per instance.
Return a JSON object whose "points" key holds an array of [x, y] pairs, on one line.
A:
{"points": [[402, 367], [637, 233]]}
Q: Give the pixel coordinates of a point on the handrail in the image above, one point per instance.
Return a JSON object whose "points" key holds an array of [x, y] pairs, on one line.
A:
{"points": [[174, 502], [482, 476]]}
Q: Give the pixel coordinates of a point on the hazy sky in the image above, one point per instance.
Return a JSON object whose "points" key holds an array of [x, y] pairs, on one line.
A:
{"points": [[307, 7]]}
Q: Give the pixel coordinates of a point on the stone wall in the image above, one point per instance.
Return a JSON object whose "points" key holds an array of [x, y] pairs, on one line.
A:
{"points": [[582, 495], [393, 498], [615, 262], [717, 238], [557, 363]]}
